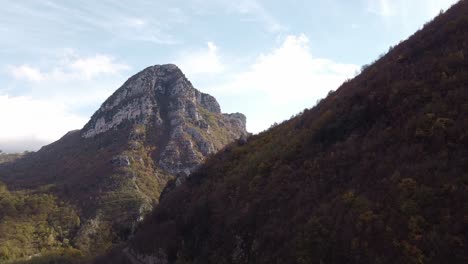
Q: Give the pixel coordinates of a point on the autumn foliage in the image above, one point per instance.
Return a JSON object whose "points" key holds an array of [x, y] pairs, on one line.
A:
{"points": [[375, 173]]}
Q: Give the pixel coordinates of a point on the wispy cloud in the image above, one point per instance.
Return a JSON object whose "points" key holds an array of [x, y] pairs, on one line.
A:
{"points": [[71, 67], [96, 65], [26, 72], [135, 22], [258, 12], [249, 10], [119, 21], [202, 61], [48, 97]]}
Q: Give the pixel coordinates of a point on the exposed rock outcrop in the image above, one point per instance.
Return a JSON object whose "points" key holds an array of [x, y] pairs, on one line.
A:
{"points": [[161, 97], [120, 161], [155, 128]]}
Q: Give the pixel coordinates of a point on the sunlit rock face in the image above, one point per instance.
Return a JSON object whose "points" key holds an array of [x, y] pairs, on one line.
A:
{"points": [[154, 129], [188, 124]]}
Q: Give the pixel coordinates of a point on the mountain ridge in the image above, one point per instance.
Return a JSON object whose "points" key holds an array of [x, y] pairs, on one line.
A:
{"points": [[375, 173], [156, 127]]}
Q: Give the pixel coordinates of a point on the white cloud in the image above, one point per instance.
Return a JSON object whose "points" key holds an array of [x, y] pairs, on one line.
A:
{"points": [[202, 61], [33, 122], [71, 67], [94, 66], [26, 72], [291, 70], [58, 96], [284, 81]]}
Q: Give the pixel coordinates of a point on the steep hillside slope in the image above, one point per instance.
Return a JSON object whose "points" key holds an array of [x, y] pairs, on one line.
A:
{"points": [[155, 128], [8, 157], [375, 173]]}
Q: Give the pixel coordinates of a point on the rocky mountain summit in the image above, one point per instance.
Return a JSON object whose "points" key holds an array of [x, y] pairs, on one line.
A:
{"points": [[161, 97], [155, 128]]}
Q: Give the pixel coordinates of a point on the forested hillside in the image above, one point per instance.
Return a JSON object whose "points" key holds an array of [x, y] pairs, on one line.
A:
{"points": [[33, 223], [377, 172], [104, 178]]}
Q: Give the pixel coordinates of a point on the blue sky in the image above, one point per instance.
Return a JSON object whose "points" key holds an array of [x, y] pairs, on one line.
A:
{"points": [[267, 59]]}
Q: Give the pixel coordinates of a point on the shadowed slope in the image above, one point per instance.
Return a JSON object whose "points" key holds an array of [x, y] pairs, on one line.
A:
{"points": [[375, 173], [154, 128]]}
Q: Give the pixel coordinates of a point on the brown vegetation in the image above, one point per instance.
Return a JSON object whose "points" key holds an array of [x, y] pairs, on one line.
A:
{"points": [[376, 173]]}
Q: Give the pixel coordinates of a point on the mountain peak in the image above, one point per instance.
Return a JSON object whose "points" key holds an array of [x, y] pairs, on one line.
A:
{"points": [[144, 96], [161, 98], [155, 128]]}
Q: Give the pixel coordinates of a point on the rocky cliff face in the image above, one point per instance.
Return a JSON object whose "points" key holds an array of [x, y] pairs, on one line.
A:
{"points": [[188, 124], [167, 127], [155, 128]]}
